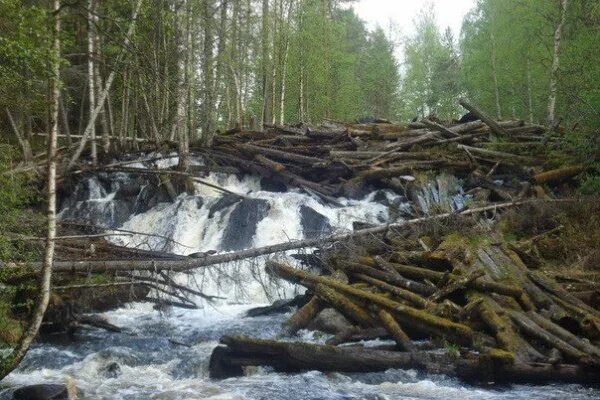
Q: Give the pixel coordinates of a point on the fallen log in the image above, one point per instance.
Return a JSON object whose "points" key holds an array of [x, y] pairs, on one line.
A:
{"points": [[557, 175], [419, 319], [193, 263], [239, 352], [494, 126]]}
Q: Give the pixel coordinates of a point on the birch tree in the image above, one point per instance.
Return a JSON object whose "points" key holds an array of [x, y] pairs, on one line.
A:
{"points": [[556, 64], [43, 299]]}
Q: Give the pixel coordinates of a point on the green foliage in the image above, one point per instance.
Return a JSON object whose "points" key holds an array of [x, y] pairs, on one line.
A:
{"points": [[431, 81], [24, 55], [17, 194]]}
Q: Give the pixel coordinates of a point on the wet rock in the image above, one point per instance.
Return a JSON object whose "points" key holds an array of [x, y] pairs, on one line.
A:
{"points": [[109, 213], [242, 223], [148, 197], [111, 370], [330, 321], [278, 306], [226, 201], [381, 197], [271, 185], [42, 392], [314, 224]]}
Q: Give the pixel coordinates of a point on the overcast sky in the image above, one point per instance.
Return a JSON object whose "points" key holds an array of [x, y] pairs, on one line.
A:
{"points": [[403, 12]]}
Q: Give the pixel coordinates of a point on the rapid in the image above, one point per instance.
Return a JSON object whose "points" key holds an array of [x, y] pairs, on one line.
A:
{"points": [[164, 353]]}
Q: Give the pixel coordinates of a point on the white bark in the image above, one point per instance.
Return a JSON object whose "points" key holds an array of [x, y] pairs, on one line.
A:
{"points": [[21, 138], [556, 64], [46, 273], [495, 76], [91, 81], [104, 94], [529, 92]]}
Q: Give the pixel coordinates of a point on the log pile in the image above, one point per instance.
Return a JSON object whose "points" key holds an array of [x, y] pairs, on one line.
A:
{"points": [[487, 315], [349, 160]]}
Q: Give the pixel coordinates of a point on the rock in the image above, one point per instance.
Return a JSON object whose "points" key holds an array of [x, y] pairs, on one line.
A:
{"points": [[149, 197], [111, 370], [44, 391], [314, 224], [278, 306], [226, 201], [381, 197], [242, 223], [271, 185], [330, 321]]}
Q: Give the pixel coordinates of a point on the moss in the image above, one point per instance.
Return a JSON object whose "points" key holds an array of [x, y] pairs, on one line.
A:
{"points": [[10, 327]]}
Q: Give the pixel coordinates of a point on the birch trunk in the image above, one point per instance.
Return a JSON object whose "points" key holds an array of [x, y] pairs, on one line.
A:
{"points": [[46, 273], [181, 119], [556, 65], [495, 76], [91, 81], [21, 138], [104, 94], [266, 86]]}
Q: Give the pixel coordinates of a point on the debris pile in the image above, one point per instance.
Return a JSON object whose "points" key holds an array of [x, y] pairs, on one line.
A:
{"points": [[489, 317], [351, 159]]}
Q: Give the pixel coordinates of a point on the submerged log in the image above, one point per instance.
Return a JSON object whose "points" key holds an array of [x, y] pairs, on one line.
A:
{"points": [[239, 352]]}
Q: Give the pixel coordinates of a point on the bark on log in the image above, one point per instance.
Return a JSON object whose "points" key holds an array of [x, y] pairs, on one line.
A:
{"points": [[557, 175], [494, 126], [392, 326], [241, 352], [419, 319]]}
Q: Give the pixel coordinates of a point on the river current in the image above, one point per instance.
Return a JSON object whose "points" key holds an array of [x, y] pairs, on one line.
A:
{"points": [[164, 354]]}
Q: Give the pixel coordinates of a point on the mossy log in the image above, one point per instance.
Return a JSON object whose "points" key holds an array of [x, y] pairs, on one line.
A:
{"points": [[239, 352], [395, 330], [504, 331], [415, 299], [419, 319], [343, 304], [302, 317], [531, 328]]}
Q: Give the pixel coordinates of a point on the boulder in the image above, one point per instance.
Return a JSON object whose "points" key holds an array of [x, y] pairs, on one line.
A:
{"points": [[272, 185], [330, 321], [314, 224], [149, 197], [46, 391], [226, 201], [242, 223]]}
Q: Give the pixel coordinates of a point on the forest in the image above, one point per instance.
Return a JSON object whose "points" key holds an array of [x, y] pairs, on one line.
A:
{"points": [[430, 193]]}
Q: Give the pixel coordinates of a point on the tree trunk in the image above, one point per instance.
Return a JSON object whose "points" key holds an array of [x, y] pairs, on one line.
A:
{"points": [[556, 65], [104, 94], [495, 77], [65, 119], [21, 138], [529, 92], [266, 84], [208, 73], [46, 273], [91, 81]]}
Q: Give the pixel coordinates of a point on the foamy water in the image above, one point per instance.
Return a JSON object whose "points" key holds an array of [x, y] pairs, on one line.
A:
{"points": [[164, 355]]}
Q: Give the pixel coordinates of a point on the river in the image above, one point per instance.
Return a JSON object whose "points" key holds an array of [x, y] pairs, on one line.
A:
{"points": [[164, 354]]}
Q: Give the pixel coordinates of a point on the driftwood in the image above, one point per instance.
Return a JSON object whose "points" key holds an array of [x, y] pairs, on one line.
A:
{"points": [[239, 352]]}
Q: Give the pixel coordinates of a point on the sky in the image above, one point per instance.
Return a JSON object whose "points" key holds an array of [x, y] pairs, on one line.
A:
{"points": [[449, 13]]}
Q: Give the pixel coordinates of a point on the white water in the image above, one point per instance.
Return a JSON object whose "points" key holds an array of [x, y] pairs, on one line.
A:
{"points": [[153, 366]]}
